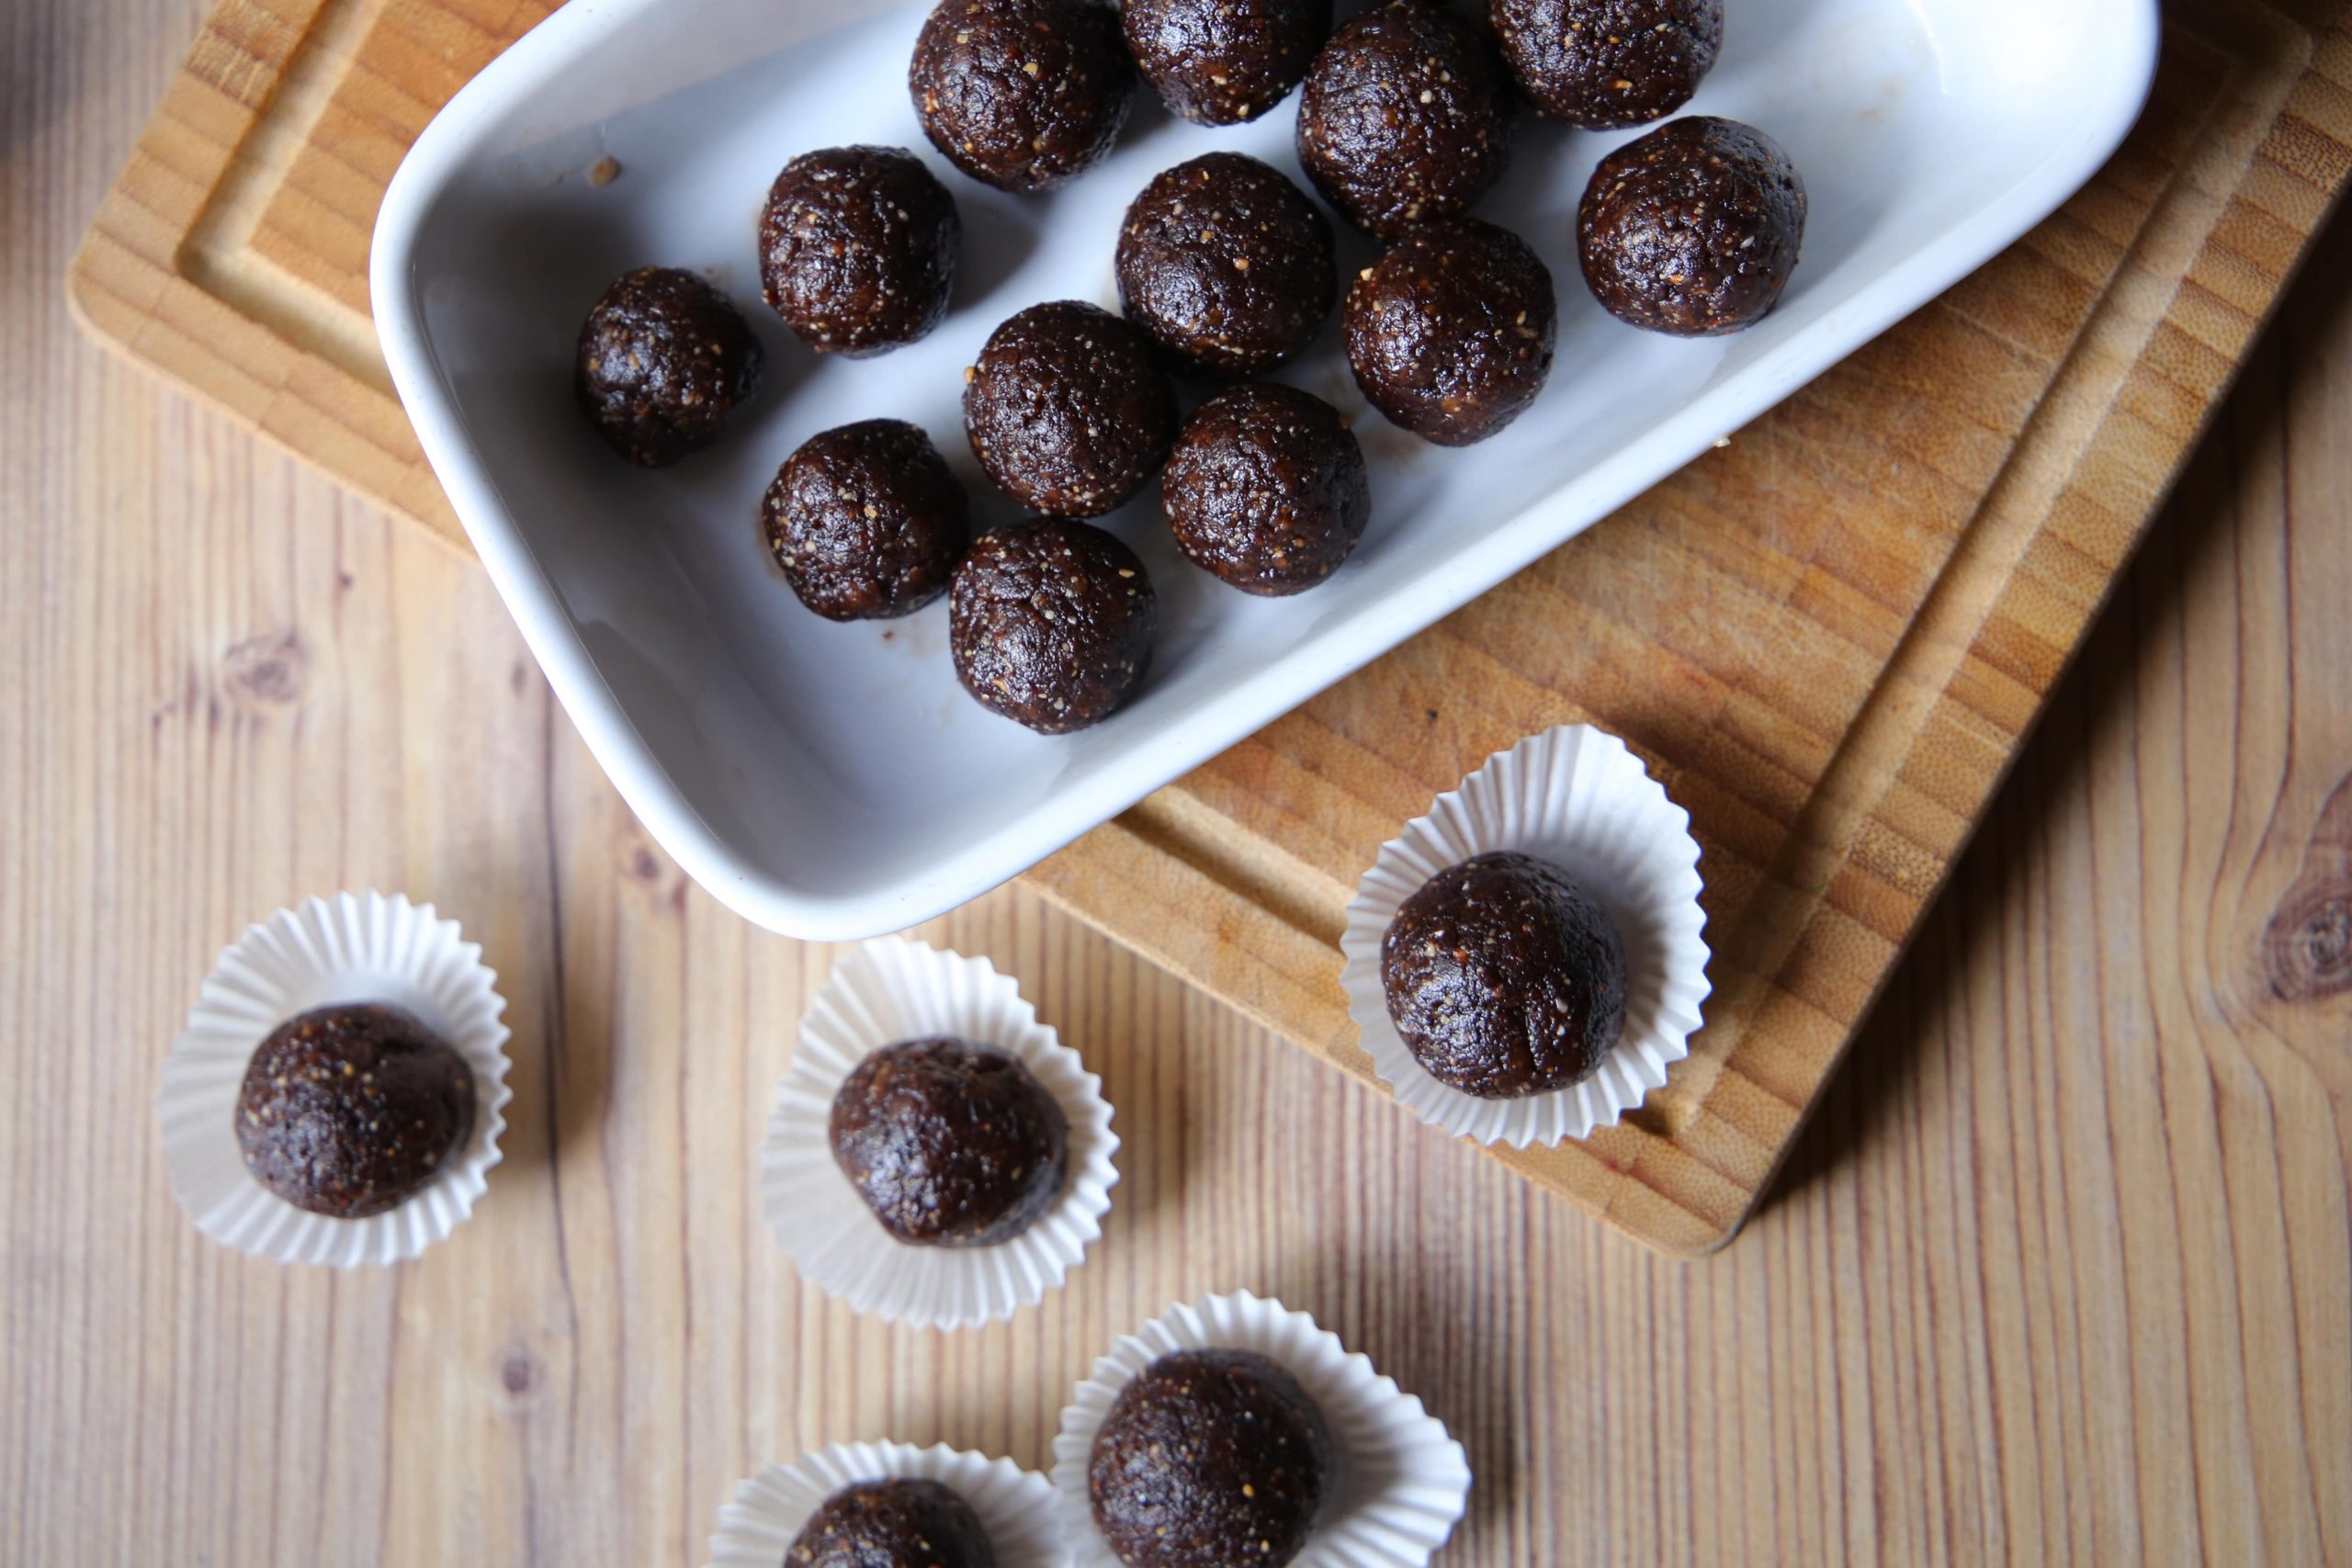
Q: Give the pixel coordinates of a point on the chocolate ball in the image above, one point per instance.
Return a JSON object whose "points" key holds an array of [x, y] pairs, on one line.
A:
{"points": [[1693, 229], [1406, 117], [1505, 977], [1226, 264], [1050, 624], [1066, 410], [1208, 1458], [1266, 489], [950, 1143], [899, 1522], [664, 362], [1604, 63], [866, 521], [1450, 332], [1223, 61], [857, 249], [350, 1110], [1022, 95]]}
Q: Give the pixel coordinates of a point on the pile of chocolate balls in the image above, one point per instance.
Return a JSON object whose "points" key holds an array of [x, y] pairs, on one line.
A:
{"points": [[1225, 271]]}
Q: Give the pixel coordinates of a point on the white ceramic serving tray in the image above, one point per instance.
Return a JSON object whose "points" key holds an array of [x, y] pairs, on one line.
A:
{"points": [[833, 780]]}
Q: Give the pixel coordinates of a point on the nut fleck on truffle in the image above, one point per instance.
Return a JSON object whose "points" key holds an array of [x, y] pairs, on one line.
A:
{"points": [[350, 1110], [1208, 1458]]}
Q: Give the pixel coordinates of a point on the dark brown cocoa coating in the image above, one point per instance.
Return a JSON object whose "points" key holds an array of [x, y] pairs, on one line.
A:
{"points": [[866, 521], [1022, 95], [950, 1143], [1505, 977], [857, 249], [1223, 61], [1608, 62], [1693, 229], [901, 1522], [349, 1111], [1266, 489], [1050, 624], [1067, 411], [664, 362], [1406, 117], [1450, 332], [1209, 1458], [1226, 264]]}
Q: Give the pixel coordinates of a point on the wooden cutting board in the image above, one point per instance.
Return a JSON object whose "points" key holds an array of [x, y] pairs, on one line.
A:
{"points": [[1829, 637]]}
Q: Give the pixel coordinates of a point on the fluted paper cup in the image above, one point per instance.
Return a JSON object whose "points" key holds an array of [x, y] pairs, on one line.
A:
{"points": [[1399, 1480], [363, 947], [885, 992], [1574, 796], [758, 1523]]}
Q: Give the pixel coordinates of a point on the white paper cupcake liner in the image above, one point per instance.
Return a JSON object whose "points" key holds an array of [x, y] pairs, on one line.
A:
{"points": [[887, 991], [351, 948], [1401, 1482], [1575, 796], [758, 1524]]}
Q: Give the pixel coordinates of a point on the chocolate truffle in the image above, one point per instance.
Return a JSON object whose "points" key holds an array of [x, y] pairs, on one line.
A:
{"points": [[1209, 1458], [950, 1143], [901, 1522], [1406, 117], [1066, 411], [1609, 62], [1450, 332], [1050, 624], [350, 1110], [1266, 489], [1022, 95], [1223, 61], [664, 362], [1505, 977], [857, 249], [866, 521], [1226, 264], [1693, 229]]}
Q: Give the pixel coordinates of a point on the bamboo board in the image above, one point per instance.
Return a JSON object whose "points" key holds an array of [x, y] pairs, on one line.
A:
{"points": [[1829, 639]]}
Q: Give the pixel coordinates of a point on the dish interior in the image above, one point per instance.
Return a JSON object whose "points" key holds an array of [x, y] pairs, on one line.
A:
{"points": [[834, 779]]}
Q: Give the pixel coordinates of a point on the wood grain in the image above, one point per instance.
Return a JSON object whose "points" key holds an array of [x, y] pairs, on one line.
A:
{"points": [[1828, 638], [2060, 1271]]}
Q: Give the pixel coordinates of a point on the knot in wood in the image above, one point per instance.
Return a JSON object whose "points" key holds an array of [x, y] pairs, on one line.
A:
{"points": [[266, 670], [2307, 949]]}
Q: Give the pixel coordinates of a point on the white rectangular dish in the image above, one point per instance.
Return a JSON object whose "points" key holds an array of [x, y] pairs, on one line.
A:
{"points": [[832, 781]]}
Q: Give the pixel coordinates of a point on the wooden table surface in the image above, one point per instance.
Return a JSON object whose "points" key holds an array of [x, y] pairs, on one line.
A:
{"points": [[2062, 1270]]}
